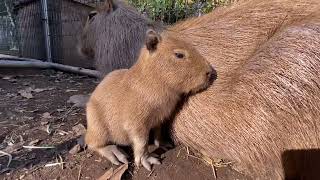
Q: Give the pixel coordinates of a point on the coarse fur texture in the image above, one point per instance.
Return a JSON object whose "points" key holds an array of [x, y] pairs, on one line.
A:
{"points": [[128, 103], [108, 39], [266, 99]]}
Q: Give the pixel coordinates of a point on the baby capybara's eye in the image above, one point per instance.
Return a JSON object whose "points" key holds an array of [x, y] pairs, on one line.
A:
{"points": [[179, 55]]}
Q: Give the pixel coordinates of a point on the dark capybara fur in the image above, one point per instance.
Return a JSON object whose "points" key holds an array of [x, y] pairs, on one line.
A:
{"points": [[113, 35]]}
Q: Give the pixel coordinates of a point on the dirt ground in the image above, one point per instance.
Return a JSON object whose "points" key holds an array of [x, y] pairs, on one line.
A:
{"points": [[34, 112]]}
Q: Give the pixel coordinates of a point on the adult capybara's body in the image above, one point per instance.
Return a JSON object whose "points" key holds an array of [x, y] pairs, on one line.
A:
{"points": [[113, 36], [266, 99]]}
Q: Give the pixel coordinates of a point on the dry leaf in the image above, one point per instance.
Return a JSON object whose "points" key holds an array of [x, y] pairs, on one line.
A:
{"points": [[46, 115], [25, 94], [114, 174], [13, 148], [26, 83], [89, 155], [79, 129], [7, 77], [37, 90], [61, 110], [44, 123], [79, 100], [35, 142], [13, 80], [75, 149], [107, 175], [11, 95], [10, 78]]}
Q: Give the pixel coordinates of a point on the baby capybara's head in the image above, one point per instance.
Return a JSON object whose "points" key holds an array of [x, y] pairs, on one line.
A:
{"points": [[175, 63]]}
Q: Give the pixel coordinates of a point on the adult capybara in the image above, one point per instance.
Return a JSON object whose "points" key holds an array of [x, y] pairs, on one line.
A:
{"points": [[266, 99], [113, 35], [128, 103]]}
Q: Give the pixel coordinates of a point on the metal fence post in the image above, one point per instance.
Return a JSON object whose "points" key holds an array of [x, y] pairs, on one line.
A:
{"points": [[45, 18]]}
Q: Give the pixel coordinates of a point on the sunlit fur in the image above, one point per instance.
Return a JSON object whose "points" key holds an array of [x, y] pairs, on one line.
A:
{"points": [[267, 96], [266, 99]]}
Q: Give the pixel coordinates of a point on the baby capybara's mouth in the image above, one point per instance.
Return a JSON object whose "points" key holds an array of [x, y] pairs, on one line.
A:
{"points": [[210, 77]]}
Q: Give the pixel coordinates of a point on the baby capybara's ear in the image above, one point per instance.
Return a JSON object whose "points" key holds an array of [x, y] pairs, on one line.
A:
{"points": [[152, 40]]}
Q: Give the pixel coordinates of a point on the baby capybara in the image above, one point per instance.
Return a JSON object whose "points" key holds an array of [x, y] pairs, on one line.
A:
{"points": [[128, 103]]}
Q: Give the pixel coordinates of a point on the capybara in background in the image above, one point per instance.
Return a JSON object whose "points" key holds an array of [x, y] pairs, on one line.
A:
{"points": [[113, 36], [266, 99], [128, 103]]}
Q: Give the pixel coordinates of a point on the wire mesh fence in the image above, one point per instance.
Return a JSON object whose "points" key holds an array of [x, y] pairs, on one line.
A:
{"points": [[23, 32], [8, 36]]}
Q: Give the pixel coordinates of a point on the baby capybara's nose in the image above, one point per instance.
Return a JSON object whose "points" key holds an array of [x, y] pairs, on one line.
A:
{"points": [[211, 74]]}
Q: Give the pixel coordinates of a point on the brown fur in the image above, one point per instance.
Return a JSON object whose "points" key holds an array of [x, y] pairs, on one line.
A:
{"points": [[266, 98], [127, 104]]}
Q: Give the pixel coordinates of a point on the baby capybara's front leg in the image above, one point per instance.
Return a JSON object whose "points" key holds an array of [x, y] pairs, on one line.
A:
{"points": [[140, 150], [98, 142], [113, 154], [97, 139]]}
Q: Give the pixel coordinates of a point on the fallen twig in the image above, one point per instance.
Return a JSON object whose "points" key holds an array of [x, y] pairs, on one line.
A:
{"points": [[188, 152], [9, 156], [79, 174], [38, 147], [61, 161], [179, 151], [150, 173], [48, 129], [214, 171], [5, 63], [54, 164], [195, 157]]}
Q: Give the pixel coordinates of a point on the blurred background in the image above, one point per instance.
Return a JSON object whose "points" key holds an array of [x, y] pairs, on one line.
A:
{"points": [[26, 26]]}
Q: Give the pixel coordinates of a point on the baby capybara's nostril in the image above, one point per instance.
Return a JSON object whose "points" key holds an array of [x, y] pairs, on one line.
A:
{"points": [[208, 74]]}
